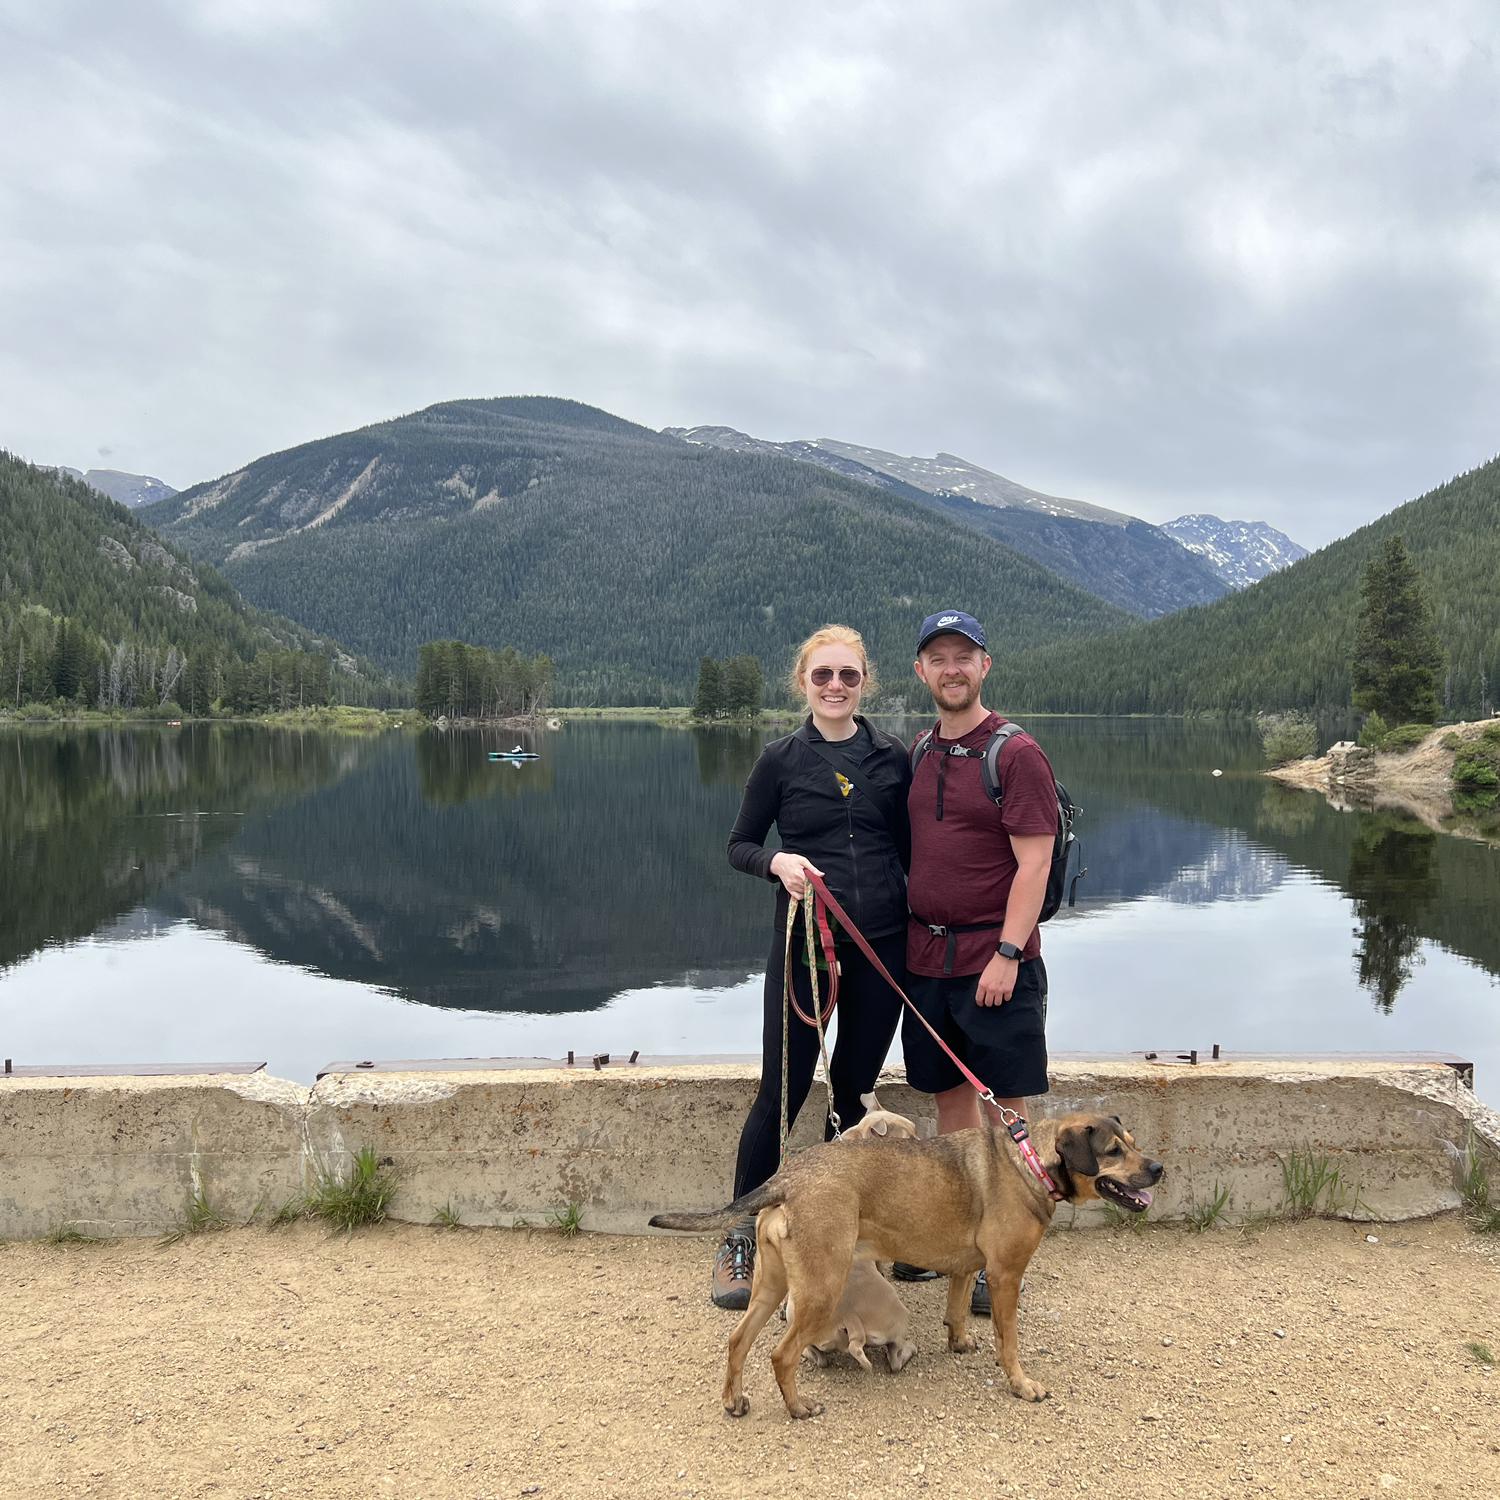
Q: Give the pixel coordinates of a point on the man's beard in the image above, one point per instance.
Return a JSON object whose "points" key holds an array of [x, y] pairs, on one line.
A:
{"points": [[970, 692]]}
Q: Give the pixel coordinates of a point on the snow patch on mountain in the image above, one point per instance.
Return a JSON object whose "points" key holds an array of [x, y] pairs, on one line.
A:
{"points": [[1240, 552]]}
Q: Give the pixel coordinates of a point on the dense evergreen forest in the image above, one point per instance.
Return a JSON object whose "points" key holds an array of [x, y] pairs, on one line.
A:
{"points": [[470, 682], [96, 612], [623, 555], [1287, 642]]}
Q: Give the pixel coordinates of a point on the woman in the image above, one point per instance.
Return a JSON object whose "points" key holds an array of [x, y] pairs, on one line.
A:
{"points": [[836, 791]]}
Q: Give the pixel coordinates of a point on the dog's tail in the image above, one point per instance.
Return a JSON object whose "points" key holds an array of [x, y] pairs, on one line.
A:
{"points": [[744, 1207]]}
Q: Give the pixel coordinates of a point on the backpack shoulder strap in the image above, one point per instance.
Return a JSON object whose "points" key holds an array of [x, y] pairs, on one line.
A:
{"points": [[997, 743], [920, 746]]}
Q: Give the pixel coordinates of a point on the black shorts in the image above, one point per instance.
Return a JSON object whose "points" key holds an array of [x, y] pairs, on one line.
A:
{"points": [[1006, 1045]]}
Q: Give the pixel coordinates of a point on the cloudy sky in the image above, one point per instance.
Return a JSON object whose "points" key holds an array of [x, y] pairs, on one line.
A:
{"points": [[1165, 257]]}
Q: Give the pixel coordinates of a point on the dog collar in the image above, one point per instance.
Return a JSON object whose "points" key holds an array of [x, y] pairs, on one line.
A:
{"points": [[1018, 1133]]}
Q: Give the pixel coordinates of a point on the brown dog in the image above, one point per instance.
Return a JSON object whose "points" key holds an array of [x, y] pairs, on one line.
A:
{"points": [[955, 1203]]}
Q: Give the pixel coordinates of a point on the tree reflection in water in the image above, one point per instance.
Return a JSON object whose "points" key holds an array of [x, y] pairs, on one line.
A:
{"points": [[1393, 881]]}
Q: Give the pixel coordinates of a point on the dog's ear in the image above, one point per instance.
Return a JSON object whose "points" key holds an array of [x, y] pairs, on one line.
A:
{"points": [[1077, 1150], [879, 1127], [869, 1100]]}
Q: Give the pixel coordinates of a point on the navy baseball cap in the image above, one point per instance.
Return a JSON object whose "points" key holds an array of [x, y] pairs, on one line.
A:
{"points": [[951, 622]]}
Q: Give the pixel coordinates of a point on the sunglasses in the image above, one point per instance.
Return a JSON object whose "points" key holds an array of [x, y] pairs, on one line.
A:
{"points": [[851, 677]]}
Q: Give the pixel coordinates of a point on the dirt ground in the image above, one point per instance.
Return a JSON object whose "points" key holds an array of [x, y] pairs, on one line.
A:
{"points": [[1296, 1360]]}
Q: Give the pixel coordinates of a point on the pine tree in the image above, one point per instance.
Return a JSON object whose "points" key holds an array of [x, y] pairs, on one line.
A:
{"points": [[744, 683], [1397, 661], [70, 660], [709, 702]]}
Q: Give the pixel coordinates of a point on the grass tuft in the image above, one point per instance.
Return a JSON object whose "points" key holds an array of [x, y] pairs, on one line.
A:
{"points": [[447, 1217], [201, 1218], [1482, 1353], [1211, 1211], [289, 1213], [1312, 1185], [362, 1197], [68, 1233], [567, 1221], [1480, 1207]]}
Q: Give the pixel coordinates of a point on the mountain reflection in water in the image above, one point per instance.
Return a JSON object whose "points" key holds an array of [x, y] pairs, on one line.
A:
{"points": [[412, 866]]}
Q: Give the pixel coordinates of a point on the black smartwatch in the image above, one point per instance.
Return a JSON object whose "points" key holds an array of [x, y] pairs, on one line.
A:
{"points": [[1008, 950]]}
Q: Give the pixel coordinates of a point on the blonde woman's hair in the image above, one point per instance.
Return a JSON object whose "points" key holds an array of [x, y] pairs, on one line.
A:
{"points": [[832, 635]]}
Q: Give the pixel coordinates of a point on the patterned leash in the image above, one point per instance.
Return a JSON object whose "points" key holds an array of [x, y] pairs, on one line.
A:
{"points": [[813, 916]]}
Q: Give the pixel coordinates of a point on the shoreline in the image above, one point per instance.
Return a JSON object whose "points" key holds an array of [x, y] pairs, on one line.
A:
{"points": [[344, 716], [1416, 783]]}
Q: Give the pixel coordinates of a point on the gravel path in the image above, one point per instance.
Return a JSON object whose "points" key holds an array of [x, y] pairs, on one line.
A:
{"points": [[1296, 1361]]}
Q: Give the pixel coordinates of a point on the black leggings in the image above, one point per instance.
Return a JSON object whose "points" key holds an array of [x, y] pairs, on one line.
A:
{"points": [[867, 1013]]}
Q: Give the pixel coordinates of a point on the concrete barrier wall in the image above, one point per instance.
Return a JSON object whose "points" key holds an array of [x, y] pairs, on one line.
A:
{"points": [[129, 1156]]}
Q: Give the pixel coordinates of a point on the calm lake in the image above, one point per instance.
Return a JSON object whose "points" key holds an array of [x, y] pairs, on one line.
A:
{"points": [[223, 893]]}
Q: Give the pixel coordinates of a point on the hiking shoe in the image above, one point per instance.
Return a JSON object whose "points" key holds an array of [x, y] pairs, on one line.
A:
{"points": [[900, 1271], [734, 1265], [979, 1300]]}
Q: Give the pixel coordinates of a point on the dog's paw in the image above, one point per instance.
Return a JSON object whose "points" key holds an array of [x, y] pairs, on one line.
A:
{"points": [[738, 1406], [962, 1343], [1028, 1389], [800, 1408]]}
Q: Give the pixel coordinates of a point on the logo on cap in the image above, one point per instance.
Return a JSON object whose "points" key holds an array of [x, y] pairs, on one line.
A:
{"points": [[955, 620]]}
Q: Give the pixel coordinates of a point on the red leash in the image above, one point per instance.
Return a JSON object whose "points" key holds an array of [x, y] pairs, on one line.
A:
{"points": [[1015, 1124]]}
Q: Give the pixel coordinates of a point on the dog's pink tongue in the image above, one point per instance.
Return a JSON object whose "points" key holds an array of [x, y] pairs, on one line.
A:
{"points": [[1144, 1194]]}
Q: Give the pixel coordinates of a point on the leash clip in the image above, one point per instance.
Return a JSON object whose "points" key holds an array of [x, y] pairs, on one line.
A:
{"points": [[1008, 1116]]}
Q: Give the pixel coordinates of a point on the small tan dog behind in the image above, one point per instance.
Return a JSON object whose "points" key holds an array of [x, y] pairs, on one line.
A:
{"points": [[870, 1312]]}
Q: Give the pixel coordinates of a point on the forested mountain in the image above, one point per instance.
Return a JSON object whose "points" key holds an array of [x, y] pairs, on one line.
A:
{"points": [[94, 609], [623, 554], [1125, 561], [1286, 641]]}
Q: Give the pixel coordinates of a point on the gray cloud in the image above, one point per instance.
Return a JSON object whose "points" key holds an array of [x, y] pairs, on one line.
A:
{"points": [[1159, 256]]}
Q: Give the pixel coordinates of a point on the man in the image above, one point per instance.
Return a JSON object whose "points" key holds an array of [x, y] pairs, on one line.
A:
{"points": [[977, 881]]}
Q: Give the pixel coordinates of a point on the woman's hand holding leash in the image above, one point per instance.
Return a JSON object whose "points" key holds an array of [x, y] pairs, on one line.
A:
{"points": [[788, 867]]}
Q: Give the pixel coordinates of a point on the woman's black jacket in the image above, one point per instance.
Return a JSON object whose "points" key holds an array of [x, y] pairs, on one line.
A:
{"points": [[861, 842]]}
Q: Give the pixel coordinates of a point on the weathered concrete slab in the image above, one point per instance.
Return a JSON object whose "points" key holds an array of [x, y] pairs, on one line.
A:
{"points": [[516, 1144], [1391, 1131], [498, 1147], [127, 1156]]}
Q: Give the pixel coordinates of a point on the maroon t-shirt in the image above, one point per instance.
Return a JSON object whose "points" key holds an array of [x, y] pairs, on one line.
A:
{"points": [[962, 865]]}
